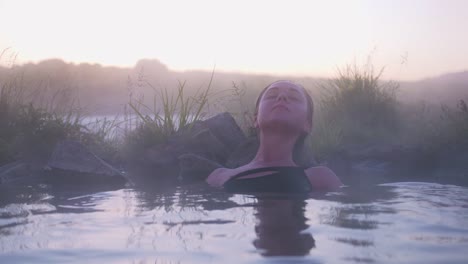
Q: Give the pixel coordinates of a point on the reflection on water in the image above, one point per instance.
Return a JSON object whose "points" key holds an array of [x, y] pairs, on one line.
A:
{"points": [[392, 223], [280, 225]]}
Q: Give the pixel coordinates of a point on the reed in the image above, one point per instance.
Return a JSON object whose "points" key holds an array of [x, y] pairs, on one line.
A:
{"points": [[354, 108], [168, 113], [28, 130]]}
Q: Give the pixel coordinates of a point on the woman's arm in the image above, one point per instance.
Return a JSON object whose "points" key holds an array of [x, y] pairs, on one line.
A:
{"points": [[322, 178]]}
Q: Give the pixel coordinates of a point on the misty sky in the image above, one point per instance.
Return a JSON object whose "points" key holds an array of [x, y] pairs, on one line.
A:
{"points": [[413, 39]]}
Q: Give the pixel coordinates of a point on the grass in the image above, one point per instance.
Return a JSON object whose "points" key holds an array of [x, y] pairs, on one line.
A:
{"points": [[33, 120], [355, 108], [29, 131], [442, 129], [244, 114], [455, 122], [168, 113], [434, 128]]}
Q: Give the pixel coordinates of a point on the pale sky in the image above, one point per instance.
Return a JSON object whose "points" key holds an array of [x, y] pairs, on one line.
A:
{"points": [[413, 39]]}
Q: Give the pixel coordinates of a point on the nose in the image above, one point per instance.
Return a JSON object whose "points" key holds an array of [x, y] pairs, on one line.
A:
{"points": [[282, 96]]}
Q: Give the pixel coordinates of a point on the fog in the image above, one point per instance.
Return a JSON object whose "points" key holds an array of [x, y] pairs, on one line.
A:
{"points": [[100, 89]]}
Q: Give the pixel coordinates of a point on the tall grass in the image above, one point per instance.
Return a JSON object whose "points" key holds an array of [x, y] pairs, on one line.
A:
{"points": [[357, 109], [455, 122], [242, 107], [29, 131], [443, 129], [169, 113], [354, 108]]}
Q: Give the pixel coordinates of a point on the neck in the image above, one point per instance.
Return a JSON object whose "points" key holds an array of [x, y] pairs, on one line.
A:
{"points": [[276, 149]]}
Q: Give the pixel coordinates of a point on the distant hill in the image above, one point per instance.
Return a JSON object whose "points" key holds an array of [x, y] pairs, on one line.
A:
{"points": [[447, 89], [106, 90]]}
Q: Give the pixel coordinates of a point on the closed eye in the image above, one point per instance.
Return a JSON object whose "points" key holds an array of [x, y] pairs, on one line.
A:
{"points": [[271, 95], [294, 97]]}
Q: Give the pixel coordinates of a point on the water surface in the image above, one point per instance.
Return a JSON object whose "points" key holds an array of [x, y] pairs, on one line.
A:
{"points": [[391, 223]]}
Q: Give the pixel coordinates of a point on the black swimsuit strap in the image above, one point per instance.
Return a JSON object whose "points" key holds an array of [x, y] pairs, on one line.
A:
{"points": [[263, 169]]}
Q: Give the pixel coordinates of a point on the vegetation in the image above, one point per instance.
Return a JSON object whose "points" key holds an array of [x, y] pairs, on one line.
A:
{"points": [[354, 109], [153, 124], [29, 131], [357, 108], [30, 128], [437, 129]]}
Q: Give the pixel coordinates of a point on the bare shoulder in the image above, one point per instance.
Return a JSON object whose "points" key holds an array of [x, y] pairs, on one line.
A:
{"points": [[219, 176], [323, 178]]}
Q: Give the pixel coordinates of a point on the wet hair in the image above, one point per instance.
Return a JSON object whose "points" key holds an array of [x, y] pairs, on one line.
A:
{"points": [[301, 156]]}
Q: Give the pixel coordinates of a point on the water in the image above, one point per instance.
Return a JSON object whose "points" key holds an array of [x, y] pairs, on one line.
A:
{"points": [[118, 125], [390, 223]]}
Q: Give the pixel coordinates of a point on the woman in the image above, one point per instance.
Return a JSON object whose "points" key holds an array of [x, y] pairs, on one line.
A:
{"points": [[283, 119]]}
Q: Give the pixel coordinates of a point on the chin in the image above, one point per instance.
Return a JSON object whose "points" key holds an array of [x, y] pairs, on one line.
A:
{"points": [[285, 123]]}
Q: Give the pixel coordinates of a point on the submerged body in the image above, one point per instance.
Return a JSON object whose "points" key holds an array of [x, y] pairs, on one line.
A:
{"points": [[274, 179], [279, 179]]}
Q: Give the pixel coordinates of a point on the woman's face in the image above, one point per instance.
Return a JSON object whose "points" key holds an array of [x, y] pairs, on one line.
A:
{"points": [[283, 105]]}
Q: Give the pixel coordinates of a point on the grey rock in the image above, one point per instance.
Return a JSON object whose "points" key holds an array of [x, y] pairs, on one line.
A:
{"points": [[205, 143], [72, 161], [202, 143], [213, 139], [195, 168], [451, 167], [381, 163], [224, 127], [371, 167], [18, 172], [164, 154]]}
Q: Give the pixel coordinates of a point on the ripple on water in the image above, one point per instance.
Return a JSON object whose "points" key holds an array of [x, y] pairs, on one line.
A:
{"points": [[390, 223]]}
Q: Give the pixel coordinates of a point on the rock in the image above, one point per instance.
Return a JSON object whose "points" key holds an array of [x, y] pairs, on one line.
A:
{"points": [[224, 127], [195, 168], [164, 154], [73, 162], [206, 144], [212, 139], [371, 167], [18, 172], [451, 167], [202, 143], [381, 163]]}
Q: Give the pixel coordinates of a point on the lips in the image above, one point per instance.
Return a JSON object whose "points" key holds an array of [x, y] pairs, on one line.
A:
{"points": [[280, 106]]}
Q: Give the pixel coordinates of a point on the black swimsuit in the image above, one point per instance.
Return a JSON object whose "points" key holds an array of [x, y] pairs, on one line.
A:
{"points": [[281, 180]]}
